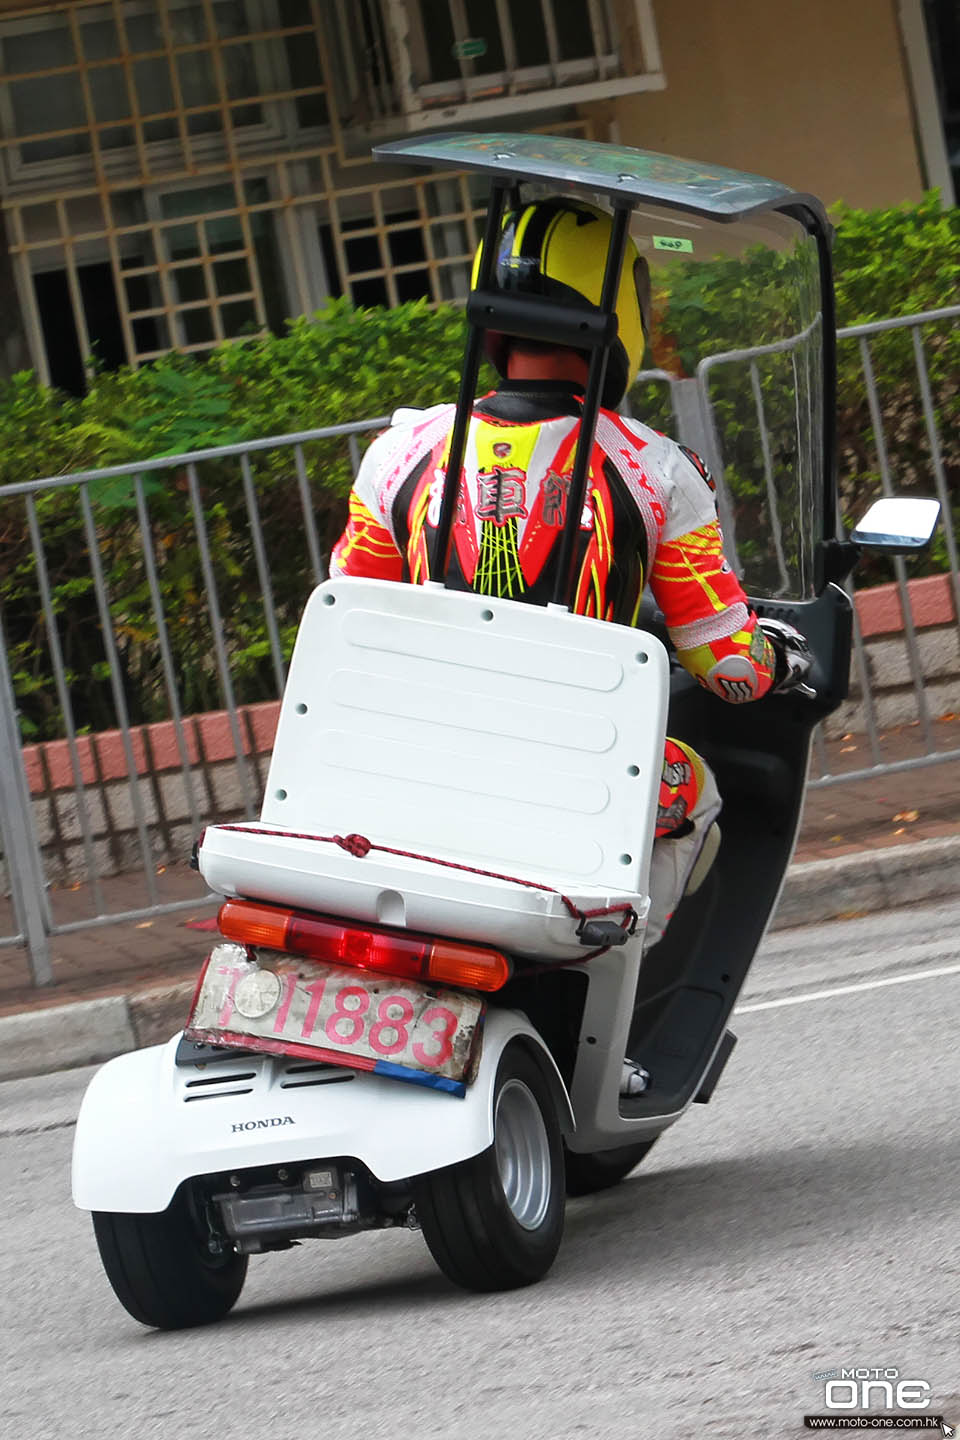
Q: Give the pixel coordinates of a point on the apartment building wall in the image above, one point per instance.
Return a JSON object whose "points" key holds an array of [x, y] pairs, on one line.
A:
{"points": [[816, 94]]}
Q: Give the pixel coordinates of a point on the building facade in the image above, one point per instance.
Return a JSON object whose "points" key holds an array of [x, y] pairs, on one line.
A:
{"points": [[174, 173]]}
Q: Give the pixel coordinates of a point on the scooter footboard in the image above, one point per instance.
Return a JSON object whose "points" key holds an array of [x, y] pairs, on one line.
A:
{"points": [[147, 1124]]}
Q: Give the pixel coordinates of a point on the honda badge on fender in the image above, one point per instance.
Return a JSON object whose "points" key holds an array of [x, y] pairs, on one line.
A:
{"points": [[265, 1124]]}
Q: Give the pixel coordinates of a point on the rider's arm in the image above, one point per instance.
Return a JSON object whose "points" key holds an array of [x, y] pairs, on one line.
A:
{"points": [[367, 546], [713, 629], [715, 633]]}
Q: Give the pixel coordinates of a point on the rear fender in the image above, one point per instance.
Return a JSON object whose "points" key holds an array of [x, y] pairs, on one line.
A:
{"points": [[143, 1129]]}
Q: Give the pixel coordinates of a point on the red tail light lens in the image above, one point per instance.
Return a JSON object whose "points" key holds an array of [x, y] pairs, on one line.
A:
{"points": [[413, 957]]}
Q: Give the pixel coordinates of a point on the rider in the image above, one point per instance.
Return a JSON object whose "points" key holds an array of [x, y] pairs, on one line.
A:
{"points": [[650, 515]]}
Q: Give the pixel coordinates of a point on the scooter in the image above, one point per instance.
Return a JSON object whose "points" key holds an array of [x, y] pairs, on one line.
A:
{"points": [[432, 958]]}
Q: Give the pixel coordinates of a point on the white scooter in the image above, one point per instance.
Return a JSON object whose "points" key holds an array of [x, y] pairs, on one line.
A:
{"points": [[432, 960]]}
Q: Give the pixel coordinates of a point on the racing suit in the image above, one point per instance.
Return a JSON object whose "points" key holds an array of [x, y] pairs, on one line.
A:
{"points": [[649, 517]]}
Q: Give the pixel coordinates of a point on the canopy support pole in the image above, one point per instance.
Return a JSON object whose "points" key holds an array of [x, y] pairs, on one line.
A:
{"points": [[566, 579], [468, 391]]}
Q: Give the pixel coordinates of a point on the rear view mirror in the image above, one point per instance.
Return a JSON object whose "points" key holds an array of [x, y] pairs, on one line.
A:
{"points": [[899, 526]]}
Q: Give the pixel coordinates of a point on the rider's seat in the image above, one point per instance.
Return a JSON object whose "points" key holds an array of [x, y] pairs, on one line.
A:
{"points": [[497, 737]]}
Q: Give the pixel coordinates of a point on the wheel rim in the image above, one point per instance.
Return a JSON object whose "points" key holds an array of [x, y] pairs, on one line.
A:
{"points": [[523, 1154]]}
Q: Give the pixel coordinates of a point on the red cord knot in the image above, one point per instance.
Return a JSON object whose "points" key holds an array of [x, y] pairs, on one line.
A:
{"points": [[357, 845]]}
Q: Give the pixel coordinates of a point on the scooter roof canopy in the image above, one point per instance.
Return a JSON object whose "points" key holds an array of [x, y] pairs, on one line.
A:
{"points": [[618, 171]]}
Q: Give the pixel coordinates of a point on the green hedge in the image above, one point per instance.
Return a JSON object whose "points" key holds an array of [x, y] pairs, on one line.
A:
{"points": [[337, 366]]}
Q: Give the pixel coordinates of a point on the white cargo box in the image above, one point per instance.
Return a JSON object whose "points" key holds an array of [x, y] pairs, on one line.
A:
{"points": [[483, 733]]}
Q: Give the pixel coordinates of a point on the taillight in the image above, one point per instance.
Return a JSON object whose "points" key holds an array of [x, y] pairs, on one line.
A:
{"points": [[413, 957]]}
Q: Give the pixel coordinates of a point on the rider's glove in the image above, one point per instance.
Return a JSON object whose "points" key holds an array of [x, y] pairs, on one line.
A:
{"points": [[792, 652]]}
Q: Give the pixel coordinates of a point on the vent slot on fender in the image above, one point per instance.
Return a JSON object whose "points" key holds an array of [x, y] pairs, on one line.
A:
{"points": [[214, 1087], [218, 1094], [313, 1073], [221, 1079]]}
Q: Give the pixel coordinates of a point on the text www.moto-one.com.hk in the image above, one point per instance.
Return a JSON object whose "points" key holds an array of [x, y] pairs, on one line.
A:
{"points": [[874, 1422]]}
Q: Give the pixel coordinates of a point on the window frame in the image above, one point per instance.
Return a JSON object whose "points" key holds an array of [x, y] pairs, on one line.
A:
{"points": [[401, 24], [928, 114], [122, 162]]}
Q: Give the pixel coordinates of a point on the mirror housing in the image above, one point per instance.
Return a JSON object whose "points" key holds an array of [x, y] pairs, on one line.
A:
{"points": [[901, 526]]}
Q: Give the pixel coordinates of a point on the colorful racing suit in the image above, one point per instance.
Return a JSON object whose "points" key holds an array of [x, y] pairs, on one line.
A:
{"points": [[649, 517]]}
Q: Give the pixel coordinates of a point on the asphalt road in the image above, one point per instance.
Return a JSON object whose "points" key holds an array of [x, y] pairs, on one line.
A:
{"points": [[804, 1220]]}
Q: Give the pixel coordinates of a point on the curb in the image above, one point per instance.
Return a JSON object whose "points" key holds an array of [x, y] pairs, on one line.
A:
{"points": [[39, 1042], [868, 880]]}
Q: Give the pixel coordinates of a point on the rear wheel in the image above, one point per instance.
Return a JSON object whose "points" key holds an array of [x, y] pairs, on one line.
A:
{"points": [[494, 1222], [162, 1268], [598, 1171]]}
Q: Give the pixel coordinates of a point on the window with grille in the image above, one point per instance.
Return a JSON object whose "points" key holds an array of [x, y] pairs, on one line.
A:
{"points": [[119, 83], [175, 173], [406, 60]]}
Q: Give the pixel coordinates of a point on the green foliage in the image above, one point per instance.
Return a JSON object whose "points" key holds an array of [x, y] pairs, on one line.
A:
{"points": [[900, 261]]}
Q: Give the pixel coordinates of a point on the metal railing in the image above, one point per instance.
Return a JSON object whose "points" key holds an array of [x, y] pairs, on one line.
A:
{"points": [[87, 851], [164, 595]]}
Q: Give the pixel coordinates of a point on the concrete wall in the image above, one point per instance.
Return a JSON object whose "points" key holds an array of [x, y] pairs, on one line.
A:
{"points": [[814, 94], [215, 779], [890, 681]]}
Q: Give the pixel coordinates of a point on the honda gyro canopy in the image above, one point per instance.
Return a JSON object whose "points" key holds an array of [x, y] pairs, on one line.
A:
{"points": [[626, 176]]}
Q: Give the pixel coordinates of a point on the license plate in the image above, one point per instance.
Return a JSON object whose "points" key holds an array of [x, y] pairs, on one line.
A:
{"points": [[287, 1006]]}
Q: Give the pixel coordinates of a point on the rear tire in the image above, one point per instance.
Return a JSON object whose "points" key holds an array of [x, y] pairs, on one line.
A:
{"points": [[598, 1171], [161, 1268], [495, 1222]]}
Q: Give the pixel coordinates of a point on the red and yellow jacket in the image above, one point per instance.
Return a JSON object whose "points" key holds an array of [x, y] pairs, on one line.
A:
{"points": [[650, 517]]}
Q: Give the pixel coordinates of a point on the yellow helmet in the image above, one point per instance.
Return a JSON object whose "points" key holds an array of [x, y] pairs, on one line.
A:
{"points": [[558, 247]]}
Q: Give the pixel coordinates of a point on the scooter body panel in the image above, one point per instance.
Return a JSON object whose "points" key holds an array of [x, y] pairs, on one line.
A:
{"points": [[147, 1124]]}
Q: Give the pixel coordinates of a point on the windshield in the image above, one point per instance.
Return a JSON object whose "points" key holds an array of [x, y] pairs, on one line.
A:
{"points": [[736, 352]]}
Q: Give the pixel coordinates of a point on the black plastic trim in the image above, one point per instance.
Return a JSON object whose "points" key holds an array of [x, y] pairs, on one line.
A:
{"points": [[710, 1081], [535, 317]]}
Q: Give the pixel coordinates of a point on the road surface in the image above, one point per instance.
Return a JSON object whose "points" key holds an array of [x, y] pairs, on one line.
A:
{"points": [[805, 1220]]}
